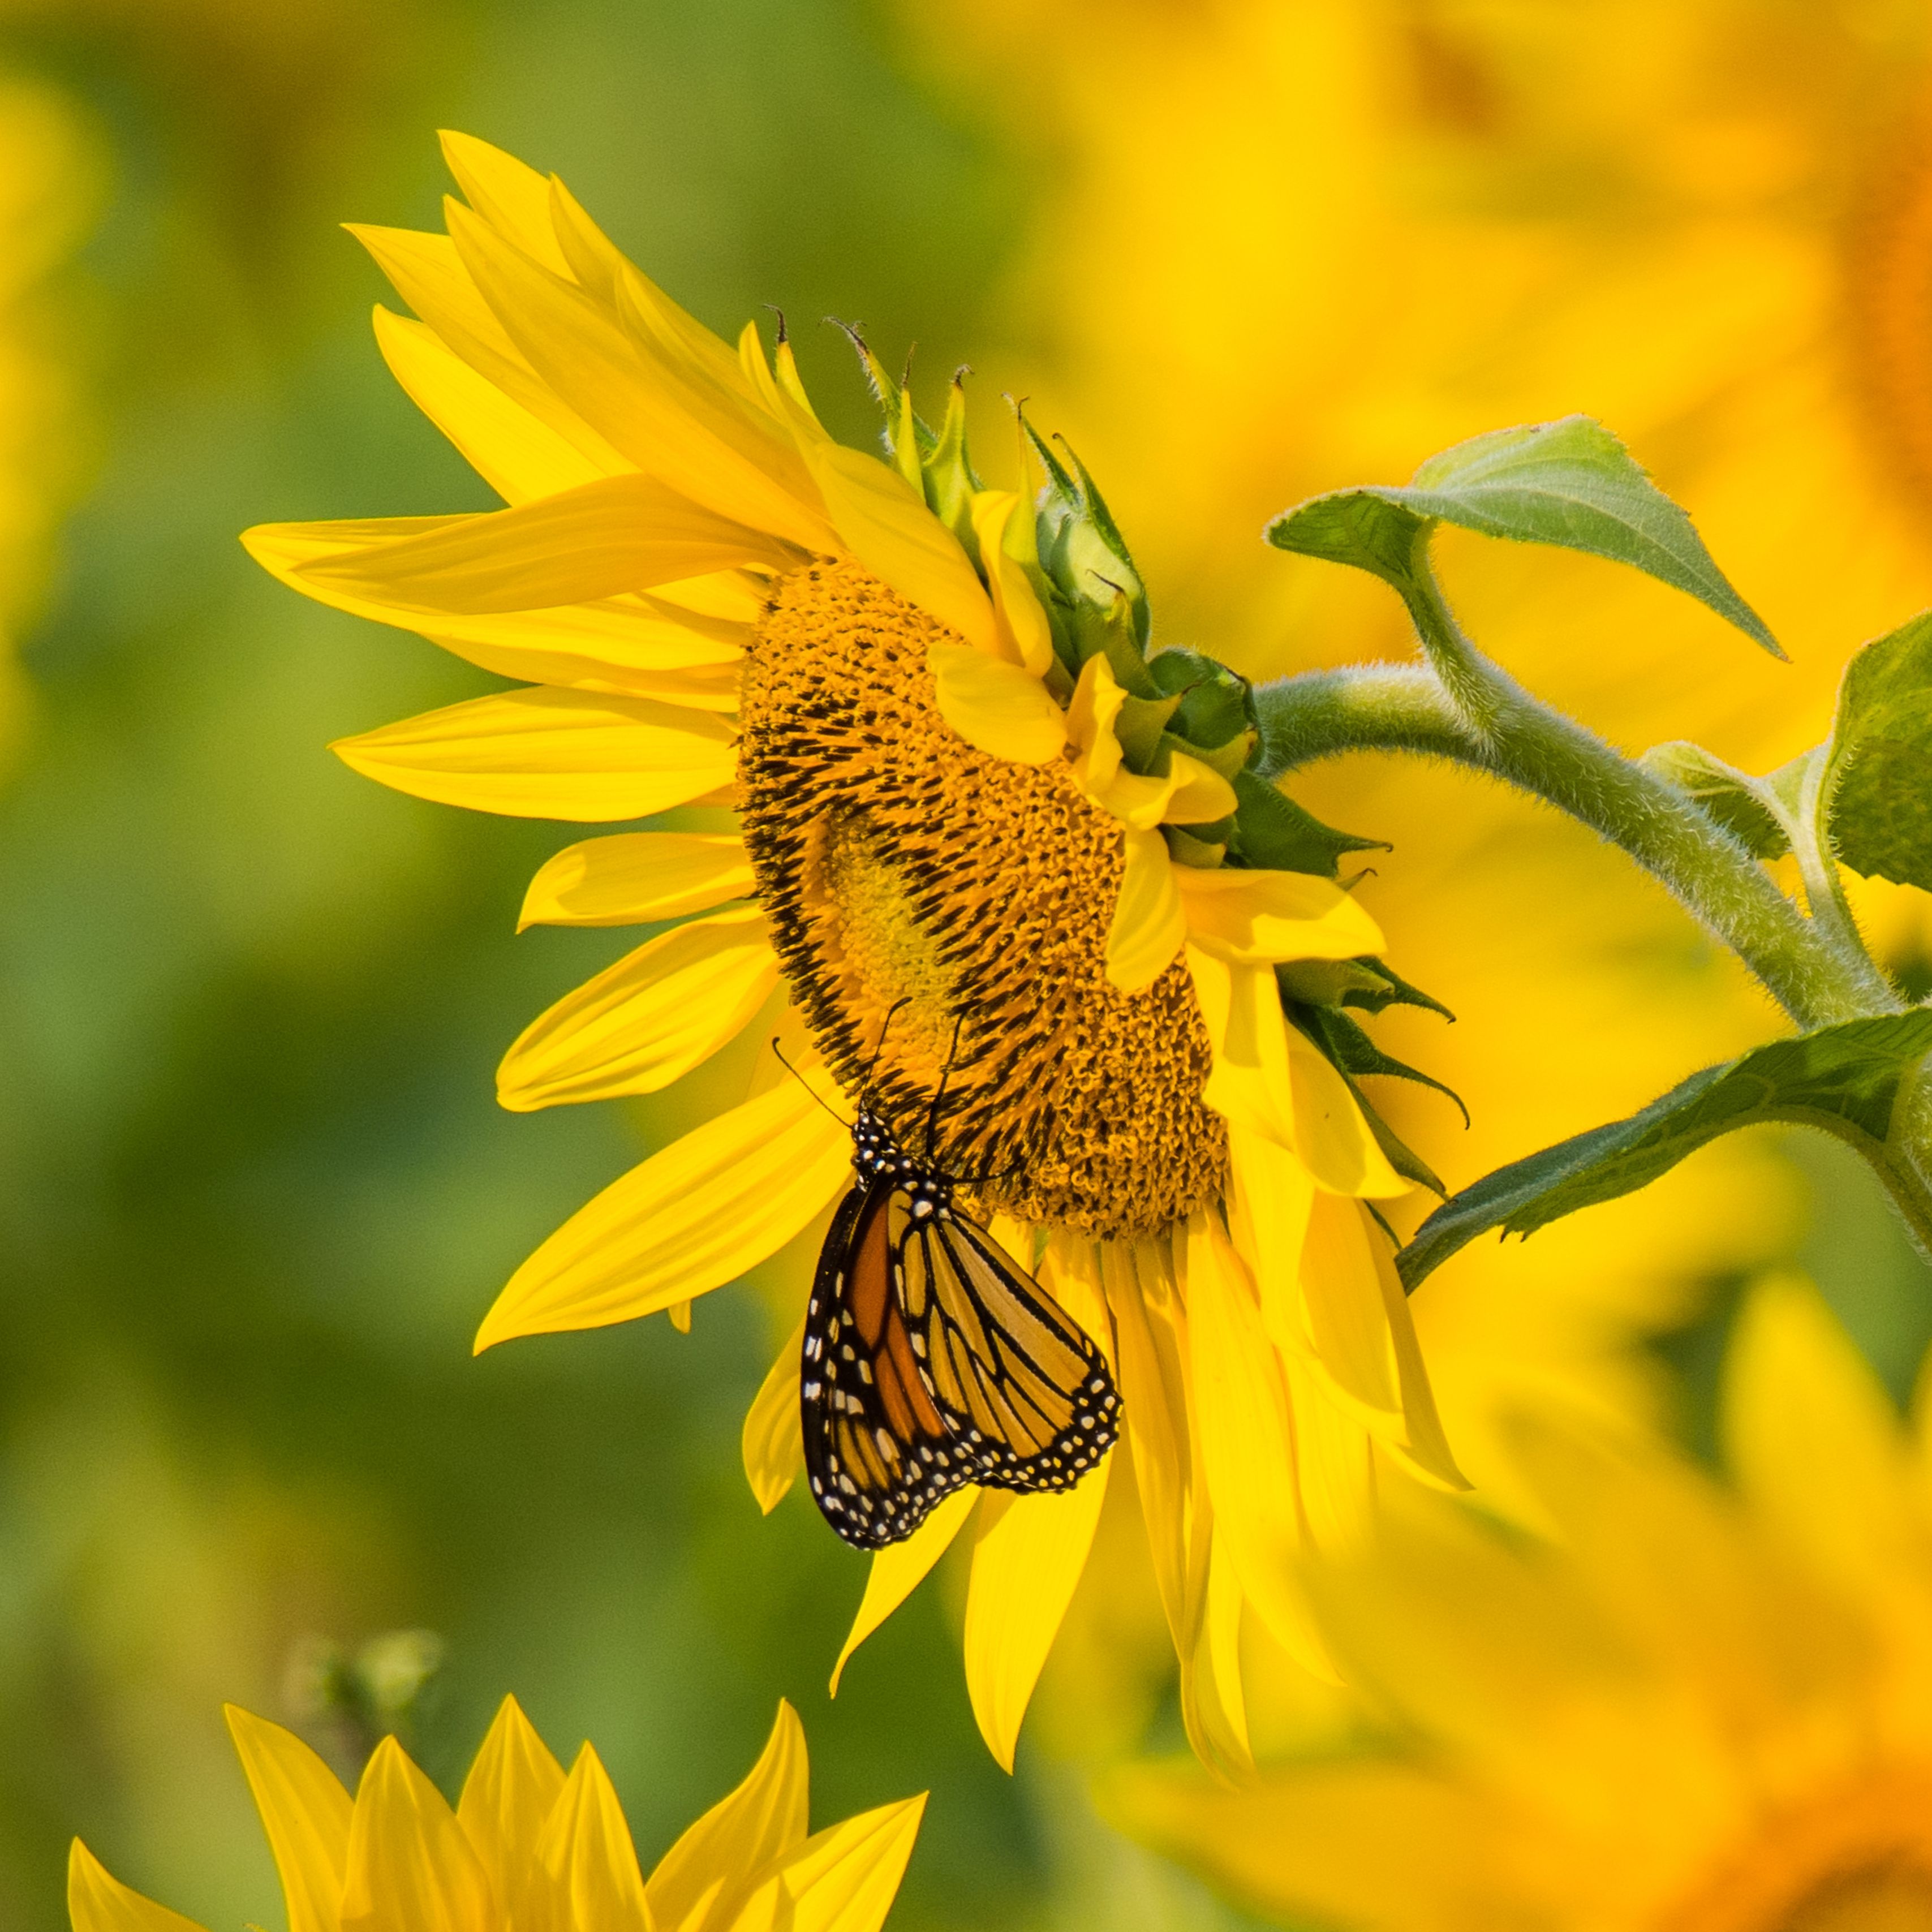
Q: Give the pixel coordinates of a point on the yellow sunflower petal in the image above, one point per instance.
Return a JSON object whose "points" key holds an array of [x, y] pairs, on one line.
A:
{"points": [[1253, 918], [1221, 1655], [641, 1023], [98, 1902], [1149, 924], [668, 420], [586, 1850], [621, 643], [542, 754], [1247, 1428], [1020, 616], [305, 1813], [631, 877], [509, 194], [410, 1866], [427, 273], [996, 707], [1149, 1333], [899, 1569], [1269, 1077], [513, 1786], [1335, 1473], [1271, 1197], [773, 1444], [1814, 1439], [703, 1878], [518, 454], [617, 534], [892, 532], [690, 1218], [1197, 794], [842, 1879], [1028, 1552]]}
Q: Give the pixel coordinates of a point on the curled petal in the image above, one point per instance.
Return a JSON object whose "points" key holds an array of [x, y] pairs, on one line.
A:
{"points": [[899, 1569], [1021, 619], [773, 1444], [410, 1866], [305, 1813], [632, 876], [996, 707], [842, 1879], [512, 1788], [1149, 924], [98, 1902], [1256, 918]]}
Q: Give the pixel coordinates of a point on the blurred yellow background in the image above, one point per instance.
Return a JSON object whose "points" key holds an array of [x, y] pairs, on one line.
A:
{"points": [[257, 1193]]}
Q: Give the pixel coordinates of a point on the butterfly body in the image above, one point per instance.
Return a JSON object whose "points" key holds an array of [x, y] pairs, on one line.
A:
{"points": [[931, 1361]]}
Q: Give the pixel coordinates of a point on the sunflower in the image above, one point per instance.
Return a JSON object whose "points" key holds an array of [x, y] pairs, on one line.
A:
{"points": [[528, 1846], [983, 837], [1687, 1708]]}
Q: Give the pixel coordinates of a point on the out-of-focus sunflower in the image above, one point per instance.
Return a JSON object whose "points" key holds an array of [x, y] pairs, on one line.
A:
{"points": [[1285, 248], [527, 1845], [49, 183], [980, 843], [1690, 1711]]}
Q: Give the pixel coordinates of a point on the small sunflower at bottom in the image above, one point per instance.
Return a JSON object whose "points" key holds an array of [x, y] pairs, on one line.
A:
{"points": [[985, 841], [528, 1846], [1684, 1708]]}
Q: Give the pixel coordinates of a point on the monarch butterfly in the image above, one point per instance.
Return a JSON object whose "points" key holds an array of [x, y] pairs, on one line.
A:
{"points": [[931, 1360]]}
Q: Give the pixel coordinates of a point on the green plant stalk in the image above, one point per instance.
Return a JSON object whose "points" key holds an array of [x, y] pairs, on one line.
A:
{"points": [[1462, 707], [1824, 889]]}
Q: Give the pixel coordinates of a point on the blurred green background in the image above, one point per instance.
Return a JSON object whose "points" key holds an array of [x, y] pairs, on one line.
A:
{"points": [[257, 1194]]}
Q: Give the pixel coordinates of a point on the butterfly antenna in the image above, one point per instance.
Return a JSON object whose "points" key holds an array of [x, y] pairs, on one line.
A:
{"points": [[939, 1097], [872, 1065], [777, 1053]]}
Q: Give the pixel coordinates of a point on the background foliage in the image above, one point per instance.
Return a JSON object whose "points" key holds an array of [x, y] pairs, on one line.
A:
{"points": [[256, 1194]]}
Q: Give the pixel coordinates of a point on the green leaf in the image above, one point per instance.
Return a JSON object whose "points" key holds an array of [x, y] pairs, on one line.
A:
{"points": [[1843, 1078], [1737, 801], [1569, 483], [1877, 789]]}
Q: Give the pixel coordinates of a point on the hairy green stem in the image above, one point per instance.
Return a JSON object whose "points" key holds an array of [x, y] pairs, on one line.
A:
{"points": [[1408, 708]]}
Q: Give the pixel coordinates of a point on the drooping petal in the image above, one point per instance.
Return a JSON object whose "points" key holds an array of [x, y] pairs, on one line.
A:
{"points": [[1218, 1659], [1247, 1428], [617, 534], [996, 707], [899, 1569], [843, 1879], [1021, 618], [518, 454], [1335, 1472], [586, 1851], [773, 1444], [638, 1025], [1270, 1200], [1028, 1552], [543, 754], [305, 1813], [1269, 1077], [1149, 924], [97, 1901], [410, 1866], [1255, 918], [513, 1786], [631, 877], [703, 1879], [690, 1218], [892, 533]]}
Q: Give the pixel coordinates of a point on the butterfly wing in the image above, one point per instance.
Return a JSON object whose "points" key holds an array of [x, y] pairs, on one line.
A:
{"points": [[879, 1454], [1021, 1386]]}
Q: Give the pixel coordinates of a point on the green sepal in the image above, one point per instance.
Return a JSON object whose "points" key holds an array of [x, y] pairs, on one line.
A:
{"points": [[1328, 982], [1742, 804], [1080, 548], [1394, 990], [1876, 792], [1217, 704], [1141, 726], [1569, 483], [1272, 833], [949, 479], [1205, 855], [1843, 1079], [1107, 630], [1399, 1154], [906, 437], [1348, 1044]]}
